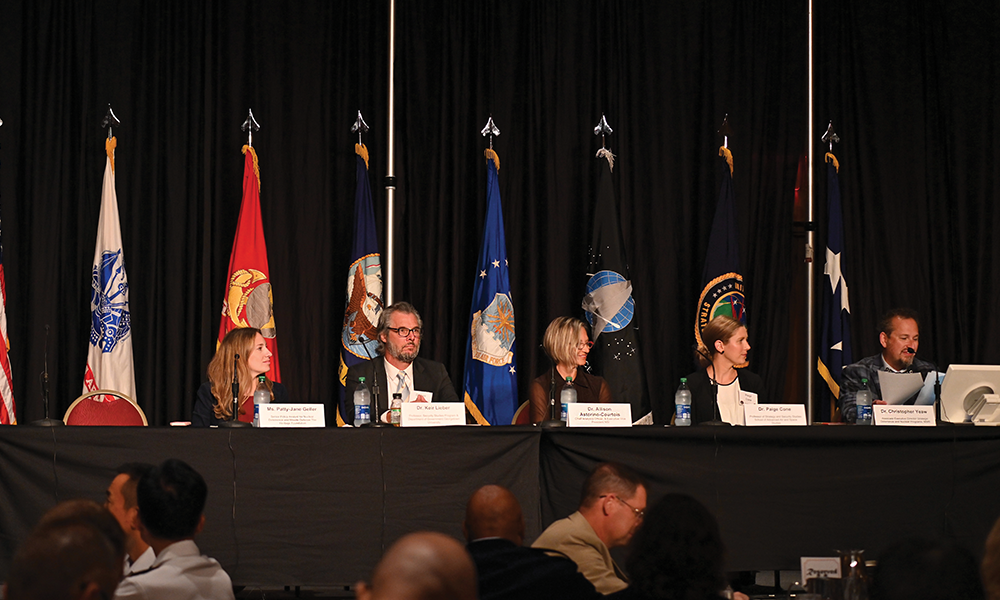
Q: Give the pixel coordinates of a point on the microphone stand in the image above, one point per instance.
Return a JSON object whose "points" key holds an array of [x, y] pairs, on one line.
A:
{"points": [[44, 376], [376, 417], [235, 422], [717, 420], [553, 420]]}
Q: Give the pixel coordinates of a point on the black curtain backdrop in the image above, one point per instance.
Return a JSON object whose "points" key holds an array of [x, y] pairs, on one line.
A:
{"points": [[910, 88]]}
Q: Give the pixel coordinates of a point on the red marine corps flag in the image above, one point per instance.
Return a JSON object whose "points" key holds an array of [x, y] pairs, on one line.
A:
{"points": [[248, 301]]}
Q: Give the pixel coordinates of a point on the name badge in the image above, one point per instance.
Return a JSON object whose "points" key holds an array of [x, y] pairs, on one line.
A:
{"points": [[292, 415], [820, 567], [598, 415], [904, 416], [431, 414], [774, 414]]}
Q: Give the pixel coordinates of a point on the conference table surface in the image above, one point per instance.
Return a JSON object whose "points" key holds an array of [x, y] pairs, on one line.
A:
{"points": [[317, 507]]}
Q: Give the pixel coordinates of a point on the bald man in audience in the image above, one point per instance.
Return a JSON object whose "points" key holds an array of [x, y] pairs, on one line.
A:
{"points": [[75, 553], [494, 528], [612, 506], [422, 566]]}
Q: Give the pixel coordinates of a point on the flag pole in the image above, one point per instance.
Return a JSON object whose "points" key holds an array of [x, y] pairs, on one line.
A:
{"points": [[250, 126], [390, 167], [810, 232]]}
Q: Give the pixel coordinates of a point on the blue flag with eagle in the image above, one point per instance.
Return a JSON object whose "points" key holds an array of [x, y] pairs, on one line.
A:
{"points": [[722, 282], [490, 375], [364, 284], [835, 341]]}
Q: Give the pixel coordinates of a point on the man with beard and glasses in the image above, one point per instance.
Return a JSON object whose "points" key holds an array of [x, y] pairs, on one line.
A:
{"points": [[398, 369]]}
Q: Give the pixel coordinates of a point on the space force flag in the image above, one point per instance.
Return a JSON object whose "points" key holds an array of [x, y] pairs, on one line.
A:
{"points": [[835, 341], [490, 358], [109, 358], [608, 302], [358, 340], [248, 301], [722, 282]]}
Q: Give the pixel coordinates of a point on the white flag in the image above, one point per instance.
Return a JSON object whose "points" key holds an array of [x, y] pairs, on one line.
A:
{"points": [[109, 360]]}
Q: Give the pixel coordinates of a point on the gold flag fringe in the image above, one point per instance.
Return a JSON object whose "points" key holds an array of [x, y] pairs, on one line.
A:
{"points": [[490, 154], [109, 145], [362, 151], [831, 158], [256, 169], [723, 151]]}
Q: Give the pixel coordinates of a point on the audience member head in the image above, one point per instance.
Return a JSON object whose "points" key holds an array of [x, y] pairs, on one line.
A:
{"points": [[921, 569], [76, 552], [392, 322], [991, 563], [255, 359], [899, 333], [566, 342], [422, 566], [613, 501], [121, 501], [678, 552], [716, 336], [493, 511], [171, 503]]}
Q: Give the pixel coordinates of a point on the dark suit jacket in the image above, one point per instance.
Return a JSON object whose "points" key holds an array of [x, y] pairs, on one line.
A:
{"points": [[511, 572], [428, 376], [703, 396], [203, 412]]}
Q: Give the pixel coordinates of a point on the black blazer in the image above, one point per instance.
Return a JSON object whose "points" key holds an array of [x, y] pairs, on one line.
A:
{"points": [[510, 572], [703, 396], [428, 376], [203, 412]]}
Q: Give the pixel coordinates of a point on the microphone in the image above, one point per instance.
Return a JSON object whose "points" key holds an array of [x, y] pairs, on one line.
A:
{"points": [[911, 351], [376, 416], [553, 420], [717, 418], [235, 420], [44, 377]]}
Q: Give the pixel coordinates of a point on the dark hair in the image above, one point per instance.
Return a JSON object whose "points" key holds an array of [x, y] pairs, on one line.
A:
{"points": [[386, 314], [60, 560], [135, 471], [610, 478], [885, 323], [677, 552], [171, 500], [88, 512], [922, 569]]}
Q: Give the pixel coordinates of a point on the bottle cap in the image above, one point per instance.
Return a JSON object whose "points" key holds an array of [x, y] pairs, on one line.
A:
{"points": [[397, 395], [684, 379], [863, 380], [569, 380], [260, 378], [361, 379]]}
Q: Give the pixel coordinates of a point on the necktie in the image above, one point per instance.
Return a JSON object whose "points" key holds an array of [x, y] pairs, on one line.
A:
{"points": [[402, 388]]}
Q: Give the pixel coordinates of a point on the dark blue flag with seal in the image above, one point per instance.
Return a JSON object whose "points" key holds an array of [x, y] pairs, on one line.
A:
{"points": [[364, 283], [609, 306], [835, 340], [722, 283], [490, 359]]}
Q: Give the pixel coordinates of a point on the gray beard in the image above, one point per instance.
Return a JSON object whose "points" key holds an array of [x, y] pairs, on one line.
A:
{"points": [[407, 357]]}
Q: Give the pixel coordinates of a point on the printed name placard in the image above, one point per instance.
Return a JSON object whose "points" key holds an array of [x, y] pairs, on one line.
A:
{"points": [[598, 415], [774, 414], [905, 416], [292, 415], [820, 567], [431, 414]]}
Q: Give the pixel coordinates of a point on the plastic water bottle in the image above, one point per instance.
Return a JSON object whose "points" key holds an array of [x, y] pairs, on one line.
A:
{"points": [[864, 404], [261, 395], [567, 396], [362, 404], [682, 405], [396, 409]]}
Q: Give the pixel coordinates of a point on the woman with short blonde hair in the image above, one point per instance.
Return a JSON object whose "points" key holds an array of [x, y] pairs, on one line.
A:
{"points": [[567, 344]]}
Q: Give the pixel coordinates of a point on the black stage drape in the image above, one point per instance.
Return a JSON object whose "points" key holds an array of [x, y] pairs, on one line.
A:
{"points": [[909, 90]]}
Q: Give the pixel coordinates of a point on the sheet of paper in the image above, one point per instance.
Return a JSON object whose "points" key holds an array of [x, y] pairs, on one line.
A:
{"points": [[926, 395], [898, 387]]}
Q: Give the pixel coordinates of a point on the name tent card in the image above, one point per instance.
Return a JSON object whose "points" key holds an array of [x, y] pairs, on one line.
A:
{"points": [[431, 414], [820, 567], [774, 414], [292, 415], [905, 416], [598, 415]]}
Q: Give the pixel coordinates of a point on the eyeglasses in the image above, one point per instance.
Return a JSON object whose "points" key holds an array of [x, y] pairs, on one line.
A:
{"points": [[639, 514], [405, 332], [588, 345]]}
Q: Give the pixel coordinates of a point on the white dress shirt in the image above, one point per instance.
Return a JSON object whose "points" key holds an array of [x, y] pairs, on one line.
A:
{"points": [[179, 572]]}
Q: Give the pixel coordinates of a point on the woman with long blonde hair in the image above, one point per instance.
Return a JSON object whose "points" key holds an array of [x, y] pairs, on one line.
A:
{"points": [[215, 396], [716, 386]]}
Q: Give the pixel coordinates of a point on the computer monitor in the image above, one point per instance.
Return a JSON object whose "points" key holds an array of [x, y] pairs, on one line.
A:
{"points": [[971, 393]]}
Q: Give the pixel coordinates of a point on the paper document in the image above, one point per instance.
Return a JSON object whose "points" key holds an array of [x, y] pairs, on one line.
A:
{"points": [[899, 387], [926, 396]]}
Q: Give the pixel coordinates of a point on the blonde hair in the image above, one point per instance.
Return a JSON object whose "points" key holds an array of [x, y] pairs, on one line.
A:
{"points": [[220, 370], [720, 329], [561, 338]]}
